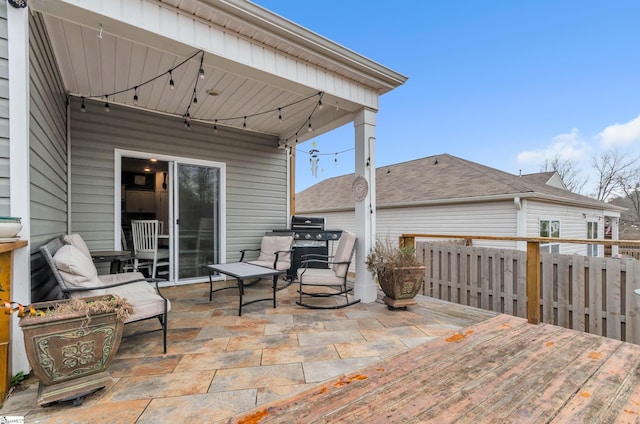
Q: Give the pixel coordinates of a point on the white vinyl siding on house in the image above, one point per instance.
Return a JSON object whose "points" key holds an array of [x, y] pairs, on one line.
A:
{"points": [[572, 223], [4, 111], [256, 170], [491, 218]]}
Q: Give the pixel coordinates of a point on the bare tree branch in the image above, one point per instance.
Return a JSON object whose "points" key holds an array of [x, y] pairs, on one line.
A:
{"points": [[567, 171], [614, 172]]}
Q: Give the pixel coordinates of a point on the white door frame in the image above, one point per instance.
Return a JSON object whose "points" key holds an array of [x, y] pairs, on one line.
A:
{"points": [[119, 154]]}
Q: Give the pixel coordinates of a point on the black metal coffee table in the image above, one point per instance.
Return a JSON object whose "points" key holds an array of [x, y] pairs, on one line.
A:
{"points": [[242, 271]]}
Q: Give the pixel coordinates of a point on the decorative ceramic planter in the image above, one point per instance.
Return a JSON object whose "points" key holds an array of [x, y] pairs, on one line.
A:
{"points": [[400, 285], [70, 352]]}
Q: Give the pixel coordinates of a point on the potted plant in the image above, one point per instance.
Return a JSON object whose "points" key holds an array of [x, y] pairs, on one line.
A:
{"points": [[70, 343], [399, 272]]}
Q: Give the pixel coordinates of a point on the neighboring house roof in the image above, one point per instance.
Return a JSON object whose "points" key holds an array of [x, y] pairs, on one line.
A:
{"points": [[440, 179], [550, 178]]}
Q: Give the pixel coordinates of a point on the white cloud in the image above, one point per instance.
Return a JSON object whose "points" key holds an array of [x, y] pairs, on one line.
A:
{"points": [[618, 135], [564, 146]]}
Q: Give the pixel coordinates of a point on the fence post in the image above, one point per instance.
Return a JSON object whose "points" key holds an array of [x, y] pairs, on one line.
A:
{"points": [[408, 242], [533, 282]]}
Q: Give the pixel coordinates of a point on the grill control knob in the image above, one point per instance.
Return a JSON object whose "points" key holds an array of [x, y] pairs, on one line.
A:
{"points": [[307, 236], [319, 236]]}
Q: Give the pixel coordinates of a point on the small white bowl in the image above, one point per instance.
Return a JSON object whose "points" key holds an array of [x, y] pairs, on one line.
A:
{"points": [[9, 227]]}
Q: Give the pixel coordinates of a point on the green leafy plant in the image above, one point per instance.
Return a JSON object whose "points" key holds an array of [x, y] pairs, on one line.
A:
{"points": [[17, 379]]}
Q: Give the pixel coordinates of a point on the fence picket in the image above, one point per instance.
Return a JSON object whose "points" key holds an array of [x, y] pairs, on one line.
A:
{"points": [[613, 299], [578, 293], [563, 303]]}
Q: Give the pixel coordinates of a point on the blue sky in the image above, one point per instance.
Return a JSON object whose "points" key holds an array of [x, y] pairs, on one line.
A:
{"points": [[505, 83]]}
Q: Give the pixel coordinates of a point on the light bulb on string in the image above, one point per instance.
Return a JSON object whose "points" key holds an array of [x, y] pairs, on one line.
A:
{"points": [[195, 97], [335, 159], [83, 108], [135, 95], [201, 73], [244, 124], [171, 84], [280, 114], [310, 129], [320, 105], [215, 126], [106, 104]]}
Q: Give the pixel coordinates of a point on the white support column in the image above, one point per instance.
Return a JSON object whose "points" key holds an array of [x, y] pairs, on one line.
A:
{"points": [[365, 287], [615, 235], [18, 26]]}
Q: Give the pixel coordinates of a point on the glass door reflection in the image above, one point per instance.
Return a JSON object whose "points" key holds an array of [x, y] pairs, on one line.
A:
{"points": [[198, 212]]}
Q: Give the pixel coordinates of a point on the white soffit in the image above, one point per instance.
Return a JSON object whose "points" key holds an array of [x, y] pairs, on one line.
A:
{"points": [[253, 68]]}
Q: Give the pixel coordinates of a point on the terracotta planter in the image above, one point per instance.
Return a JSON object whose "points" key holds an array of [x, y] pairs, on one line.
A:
{"points": [[400, 285], [69, 353]]}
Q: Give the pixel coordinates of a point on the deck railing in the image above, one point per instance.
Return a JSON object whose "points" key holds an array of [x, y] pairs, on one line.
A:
{"points": [[591, 294]]}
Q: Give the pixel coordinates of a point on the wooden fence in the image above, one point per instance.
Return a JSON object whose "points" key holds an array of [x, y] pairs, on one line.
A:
{"points": [[593, 295]]}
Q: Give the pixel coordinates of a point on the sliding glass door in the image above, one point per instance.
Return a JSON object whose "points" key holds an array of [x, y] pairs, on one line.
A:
{"points": [[197, 215], [186, 196]]}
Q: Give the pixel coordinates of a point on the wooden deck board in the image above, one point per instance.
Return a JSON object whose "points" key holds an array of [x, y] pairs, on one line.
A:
{"points": [[500, 370]]}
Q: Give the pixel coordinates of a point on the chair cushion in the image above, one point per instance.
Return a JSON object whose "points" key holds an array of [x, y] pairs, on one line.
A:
{"points": [[281, 265], [272, 244], [142, 295], [76, 269], [344, 251], [77, 241], [319, 277]]}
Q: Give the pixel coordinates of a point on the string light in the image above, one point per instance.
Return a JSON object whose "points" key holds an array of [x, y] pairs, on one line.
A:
{"points": [[215, 126], [83, 108], [194, 100]]}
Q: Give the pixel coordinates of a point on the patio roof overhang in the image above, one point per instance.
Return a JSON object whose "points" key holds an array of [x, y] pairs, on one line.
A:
{"points": [[254, 60]]}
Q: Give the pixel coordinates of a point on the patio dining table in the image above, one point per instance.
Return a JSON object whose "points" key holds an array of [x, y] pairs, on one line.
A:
{"points": [[117, 258], [242, 271]]}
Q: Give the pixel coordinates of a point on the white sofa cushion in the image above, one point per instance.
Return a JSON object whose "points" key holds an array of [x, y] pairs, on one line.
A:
{"points": [[319, 277], [77, 241], [272, 244], [344, 253], [142, 295], [76, 269]]}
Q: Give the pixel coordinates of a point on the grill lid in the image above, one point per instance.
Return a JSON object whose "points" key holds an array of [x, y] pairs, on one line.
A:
{"points": [[307, 222]]}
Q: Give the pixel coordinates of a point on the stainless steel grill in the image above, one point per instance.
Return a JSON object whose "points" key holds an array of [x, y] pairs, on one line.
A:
{"points": [[310, 237]]}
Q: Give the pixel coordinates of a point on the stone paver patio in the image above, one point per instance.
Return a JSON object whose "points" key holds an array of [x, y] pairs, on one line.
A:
{"points": [[218, 365]]}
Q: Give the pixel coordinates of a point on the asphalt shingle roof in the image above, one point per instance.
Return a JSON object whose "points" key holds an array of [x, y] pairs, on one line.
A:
{"points": [[438, 178]]}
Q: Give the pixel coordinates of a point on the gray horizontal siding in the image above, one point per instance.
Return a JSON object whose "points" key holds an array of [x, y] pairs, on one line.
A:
{"points": [[4, 112], [47, 156], [256, 170], [47, 127]]}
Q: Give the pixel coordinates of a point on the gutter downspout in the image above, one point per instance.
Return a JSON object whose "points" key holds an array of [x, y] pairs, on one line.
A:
{"points": [[521, 221]]}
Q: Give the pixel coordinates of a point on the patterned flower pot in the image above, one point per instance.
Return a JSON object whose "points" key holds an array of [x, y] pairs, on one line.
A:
{"points": [[400, 285], [70, 352]]}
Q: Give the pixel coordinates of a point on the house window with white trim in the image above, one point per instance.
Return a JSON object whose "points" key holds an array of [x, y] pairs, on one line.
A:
{"points": [[550, 228], [592, 234]]}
